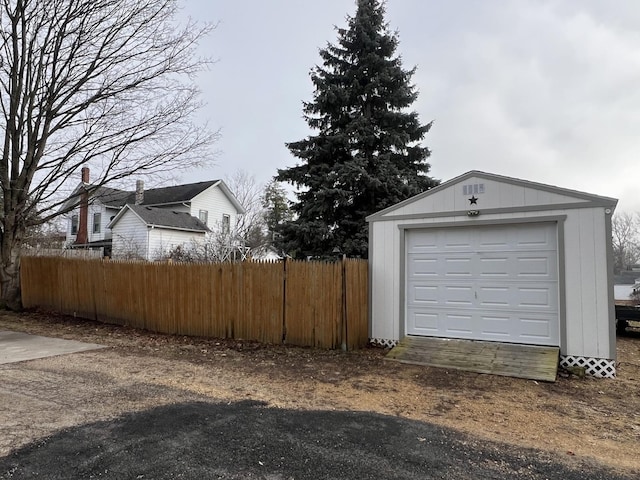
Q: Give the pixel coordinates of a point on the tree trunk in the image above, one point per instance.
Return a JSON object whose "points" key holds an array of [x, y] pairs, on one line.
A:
{"points": [[10, 245], [10, 282]]}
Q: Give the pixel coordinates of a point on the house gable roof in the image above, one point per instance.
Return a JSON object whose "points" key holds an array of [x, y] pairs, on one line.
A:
{"points": [[448, 198], [111, 197], [178, 194], [162, 218], [175, 194]]}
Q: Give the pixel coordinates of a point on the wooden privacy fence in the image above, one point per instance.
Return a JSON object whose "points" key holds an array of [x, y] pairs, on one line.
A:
{"points": [[314, 304]]}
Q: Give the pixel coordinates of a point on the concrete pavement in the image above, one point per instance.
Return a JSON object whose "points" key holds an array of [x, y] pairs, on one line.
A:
{"points": [[18, 347]]}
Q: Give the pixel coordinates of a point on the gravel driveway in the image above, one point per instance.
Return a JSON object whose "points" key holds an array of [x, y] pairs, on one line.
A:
{"points": [[249, 440], [161, 406]]}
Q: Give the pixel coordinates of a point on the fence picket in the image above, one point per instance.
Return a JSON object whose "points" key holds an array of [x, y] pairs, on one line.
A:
{"points": [[298, 303]]}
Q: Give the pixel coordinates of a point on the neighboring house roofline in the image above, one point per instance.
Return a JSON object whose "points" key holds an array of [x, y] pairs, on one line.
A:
{"points": [[173, 195], [75, 197], [153, 197], [109, 197], [184, 194]]}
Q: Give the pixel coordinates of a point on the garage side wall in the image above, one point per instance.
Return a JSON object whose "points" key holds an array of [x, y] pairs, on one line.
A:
{"points": [[590, 319], [587, 333]]}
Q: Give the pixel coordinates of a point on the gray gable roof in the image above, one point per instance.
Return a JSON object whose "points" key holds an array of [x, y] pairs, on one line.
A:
{"points": [[163, 217], [153, 196], [178, 194], [175, 194], [112, 197]]}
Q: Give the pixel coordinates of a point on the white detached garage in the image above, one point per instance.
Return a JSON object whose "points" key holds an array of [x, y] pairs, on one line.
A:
{"points": [[485, 257]]}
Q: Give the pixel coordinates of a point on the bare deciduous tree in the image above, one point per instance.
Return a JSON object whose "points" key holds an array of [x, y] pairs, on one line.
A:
{"points": [[102, 83], [625, 230], [251, 226], [214, 248]]}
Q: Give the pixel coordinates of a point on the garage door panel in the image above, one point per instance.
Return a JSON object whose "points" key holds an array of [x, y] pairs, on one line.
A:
{"points": [[539, 328], [457, 296], [458, 267], [459, 323], [494, 297], [493, 239], [536, 267], [423, 247], [425, 294], [423, 266], [488, 283], [427, 323], [530, 297], [534, 237], [494, 266], [516, 266], [456, 239], [496, 326]]}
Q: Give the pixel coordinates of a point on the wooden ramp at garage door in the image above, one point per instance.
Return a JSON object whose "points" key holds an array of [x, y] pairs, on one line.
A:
{"points": [[508, 359]]}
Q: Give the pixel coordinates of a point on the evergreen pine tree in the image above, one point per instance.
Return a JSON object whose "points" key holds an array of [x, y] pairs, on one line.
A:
{"points": [[366, 153], [276, 212]]}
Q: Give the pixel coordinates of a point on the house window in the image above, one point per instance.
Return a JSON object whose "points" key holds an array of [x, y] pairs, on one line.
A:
{"points": [[74, 224], [96, 222], [226, 223], [204, 216]]}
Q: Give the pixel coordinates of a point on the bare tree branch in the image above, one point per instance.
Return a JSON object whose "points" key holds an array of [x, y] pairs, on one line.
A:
{"points": [[625, 231], [103, 83], [250, 227]]}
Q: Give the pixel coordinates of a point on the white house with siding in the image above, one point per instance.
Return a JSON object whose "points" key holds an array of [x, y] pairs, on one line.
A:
{"points": [[148, 232], [498, 259], [95, 220]]}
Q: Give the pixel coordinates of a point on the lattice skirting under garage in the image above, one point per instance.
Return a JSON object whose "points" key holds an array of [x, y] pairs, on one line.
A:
{"points": [[383, 342], [596, 367]]}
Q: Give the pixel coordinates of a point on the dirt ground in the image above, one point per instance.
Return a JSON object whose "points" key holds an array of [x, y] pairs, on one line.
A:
{"points": [[576, 418]]}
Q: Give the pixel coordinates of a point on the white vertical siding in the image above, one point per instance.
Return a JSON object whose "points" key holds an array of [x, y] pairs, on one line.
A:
{"points": [[67, 216], [496, 195], [385, 275], [217, 204], [130, 237], [94, 207], [604, 286], [162, 241], [586, 284], [108, 214]]}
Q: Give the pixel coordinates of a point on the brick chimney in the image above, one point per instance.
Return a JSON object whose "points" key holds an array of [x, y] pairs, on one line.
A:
{"points": [[139, 192], [82, 237]]}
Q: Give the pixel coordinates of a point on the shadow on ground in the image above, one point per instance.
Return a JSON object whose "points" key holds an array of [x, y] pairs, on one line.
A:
{"points": [[248, 440]]}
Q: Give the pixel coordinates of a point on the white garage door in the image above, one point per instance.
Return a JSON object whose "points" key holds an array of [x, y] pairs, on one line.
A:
{"points": [[497, 283]]}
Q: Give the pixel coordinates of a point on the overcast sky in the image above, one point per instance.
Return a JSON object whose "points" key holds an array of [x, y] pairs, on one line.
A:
{"points": [[547, 91]]}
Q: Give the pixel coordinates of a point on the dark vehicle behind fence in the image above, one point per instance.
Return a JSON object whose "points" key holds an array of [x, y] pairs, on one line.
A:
{"points": [[625, 314]]}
